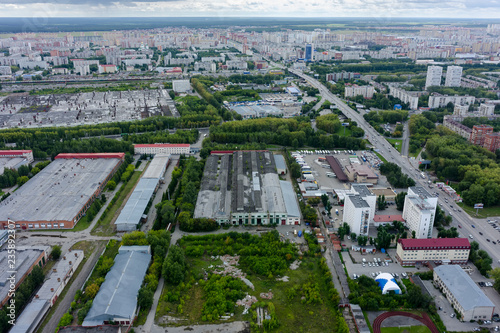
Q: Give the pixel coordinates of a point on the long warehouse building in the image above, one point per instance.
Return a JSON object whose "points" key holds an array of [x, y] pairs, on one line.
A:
{"points": [[131, 215], [60, 194]]}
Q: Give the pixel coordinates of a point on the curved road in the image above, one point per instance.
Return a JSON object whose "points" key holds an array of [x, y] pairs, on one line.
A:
{"points": [[461, 219]]}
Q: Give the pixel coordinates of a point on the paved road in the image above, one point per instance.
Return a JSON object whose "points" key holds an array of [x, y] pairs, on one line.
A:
{"points": [[405, 145], [392, 155], [70, 294]]}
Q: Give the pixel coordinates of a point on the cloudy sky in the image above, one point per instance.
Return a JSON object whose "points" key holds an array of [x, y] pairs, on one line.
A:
{"points": [[252, 8]]}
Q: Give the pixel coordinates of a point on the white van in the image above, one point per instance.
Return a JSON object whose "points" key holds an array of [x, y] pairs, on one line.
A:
{"points": [[331, 175]]}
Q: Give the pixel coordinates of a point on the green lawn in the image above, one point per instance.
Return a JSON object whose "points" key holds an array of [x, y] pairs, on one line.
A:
{"points": [[405, 329], [105, 226], [415, 154], [397, 143], [381, 157], [482, 213], [340, 132]]}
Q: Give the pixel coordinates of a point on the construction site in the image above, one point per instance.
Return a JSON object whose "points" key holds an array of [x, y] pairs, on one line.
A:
{"points": [[25, 110]]}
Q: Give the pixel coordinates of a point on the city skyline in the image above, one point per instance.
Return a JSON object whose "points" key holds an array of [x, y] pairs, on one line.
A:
{"points": [[384, 10]]}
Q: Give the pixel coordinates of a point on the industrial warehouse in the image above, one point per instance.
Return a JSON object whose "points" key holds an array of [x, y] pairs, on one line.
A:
{"points": [[133, 212], [13, 159], [59, 195], [243, 187]]}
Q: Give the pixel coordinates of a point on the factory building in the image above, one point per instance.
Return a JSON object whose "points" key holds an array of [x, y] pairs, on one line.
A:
{"points": [[60, 194], [243, 187]]}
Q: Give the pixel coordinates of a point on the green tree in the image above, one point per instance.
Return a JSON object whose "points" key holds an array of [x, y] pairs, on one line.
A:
{"points": [[381, 202], [400, 200], [56, 252], [145, 298]]}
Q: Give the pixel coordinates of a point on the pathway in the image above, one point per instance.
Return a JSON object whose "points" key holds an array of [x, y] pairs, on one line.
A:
{"points": [[151, 315]]}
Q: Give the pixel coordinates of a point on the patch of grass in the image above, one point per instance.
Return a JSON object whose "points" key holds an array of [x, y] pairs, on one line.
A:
{"points": [[482, 213], [410, 329], [368, 321], [105, 226], [340, 132], [397, 143], [382, 158], [415, 154], [48, 267], [88, 247]]}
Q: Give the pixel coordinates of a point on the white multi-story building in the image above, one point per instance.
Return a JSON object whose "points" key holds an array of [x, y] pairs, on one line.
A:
{"points": [[357, 214], [487, 109], [433, 76], [419, 211], [463, 293], [405, 96], [181, 86], [438, 100], [162, 148], [453, 76], [355, 90], [461, 110]]}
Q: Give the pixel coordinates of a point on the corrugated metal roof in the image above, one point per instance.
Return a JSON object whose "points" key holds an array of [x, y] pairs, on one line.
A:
{"points": [[157, 167], [337, 168], [131, 214], [462, 287], [279, 160], [117, 297], [292, 207]]}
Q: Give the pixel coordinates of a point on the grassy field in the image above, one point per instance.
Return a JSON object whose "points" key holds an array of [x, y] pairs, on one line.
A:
{"points": [[397, 143], [293, 315], [382, 158], [340, 132], [87, 247], [406, 329], [105, 227], [482, 213]]}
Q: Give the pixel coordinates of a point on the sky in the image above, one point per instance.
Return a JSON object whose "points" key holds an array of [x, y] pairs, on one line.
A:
{"points": [[384, 9]]}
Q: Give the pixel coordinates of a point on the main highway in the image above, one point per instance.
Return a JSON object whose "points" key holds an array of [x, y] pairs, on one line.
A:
{"points": [[476, 229]]}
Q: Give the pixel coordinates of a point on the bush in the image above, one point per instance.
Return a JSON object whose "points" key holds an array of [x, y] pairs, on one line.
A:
{"points": [[56, 252]]}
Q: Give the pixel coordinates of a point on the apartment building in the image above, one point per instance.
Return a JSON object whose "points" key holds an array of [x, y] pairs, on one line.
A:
{"points": [[419, 211], [357, 214], [433, 77], [453, 76], [355, 90], [410, 252], [437, 100], [478, 134], [486, 109], [492, 141], [457, 127], [405, 96]]}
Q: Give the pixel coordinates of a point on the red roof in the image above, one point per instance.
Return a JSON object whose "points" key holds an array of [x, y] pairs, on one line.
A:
{"points": [[387, 218], [337, 168], [91, 155], [167, 145], [434, 243], [14, 152]]}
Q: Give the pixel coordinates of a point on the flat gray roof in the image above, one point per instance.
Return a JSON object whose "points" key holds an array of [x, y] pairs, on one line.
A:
{"points": [[25, 258], [31, 316], [358, 201], [422, 192], [420, 203], [117, 297], [11, 163], [256, 110], [280, 161], [157, 167], [292, 207], [63, 267], [131, 214], [466, 292], [362, 190], [59, 191]]}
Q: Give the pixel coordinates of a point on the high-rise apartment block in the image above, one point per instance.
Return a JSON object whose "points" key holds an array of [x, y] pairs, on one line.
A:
{"points": [[453, 76], [309, 54], [433, 78], [359, 209], [419, 211], [478, 134]]}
